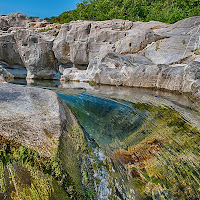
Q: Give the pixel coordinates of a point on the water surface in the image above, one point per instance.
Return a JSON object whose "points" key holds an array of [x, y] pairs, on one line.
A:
{"points": [[143, 144]]}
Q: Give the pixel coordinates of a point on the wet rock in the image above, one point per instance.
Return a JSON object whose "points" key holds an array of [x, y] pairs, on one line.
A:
{"points": [[35, 125]]}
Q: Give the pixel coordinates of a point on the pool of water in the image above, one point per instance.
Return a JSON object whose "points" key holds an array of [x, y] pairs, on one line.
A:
{"points": [[143, 144]]}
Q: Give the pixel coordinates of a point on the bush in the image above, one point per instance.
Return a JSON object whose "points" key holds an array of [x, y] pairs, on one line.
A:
{"points": [[168, 11]]}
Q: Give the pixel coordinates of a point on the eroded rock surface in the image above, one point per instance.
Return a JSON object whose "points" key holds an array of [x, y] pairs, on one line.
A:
{"points": [[114, 69], [144, 52], [39, 134], [34, 117], [5, 75]]}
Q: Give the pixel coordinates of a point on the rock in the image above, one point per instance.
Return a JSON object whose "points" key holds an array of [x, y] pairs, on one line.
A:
{"points": [[80, 41], [36, 124], [40, 50], [17, 71], [34, 117], [12, 20], [139, 59], [176, 49], [179, 47], [135, 41], [71, 43], [115, 69], [8, 50], [187, 26], [73, 74], [35, 49], [5, 76]]}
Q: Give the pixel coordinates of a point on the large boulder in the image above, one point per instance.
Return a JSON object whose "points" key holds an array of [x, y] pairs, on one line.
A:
{"points": [[177, 49], [182, 40], [8, 50], [36, 52], [41, 144], [187, 26], [70, 46], [34, 117], [78, 42]]}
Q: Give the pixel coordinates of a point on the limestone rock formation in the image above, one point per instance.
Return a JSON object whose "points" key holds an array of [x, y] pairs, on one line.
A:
{"points": [[34, 117], [108, 52], [8, 49], [5, 75], [44, 140], [179, 47], [36, 52], [114, 69], [79, 42], [12, 20]]}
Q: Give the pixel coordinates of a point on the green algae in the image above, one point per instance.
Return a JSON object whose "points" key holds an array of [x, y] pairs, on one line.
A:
{"points": [[25, 174], [167, 150]]}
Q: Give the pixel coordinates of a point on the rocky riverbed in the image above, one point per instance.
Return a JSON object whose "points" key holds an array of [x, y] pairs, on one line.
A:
{"points": [[115, 52]]}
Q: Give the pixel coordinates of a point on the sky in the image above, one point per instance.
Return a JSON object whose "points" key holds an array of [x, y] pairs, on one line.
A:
{"points": [[39, 8]]}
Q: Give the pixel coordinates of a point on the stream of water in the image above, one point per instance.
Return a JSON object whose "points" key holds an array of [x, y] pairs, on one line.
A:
{"points": [[143, 144]]}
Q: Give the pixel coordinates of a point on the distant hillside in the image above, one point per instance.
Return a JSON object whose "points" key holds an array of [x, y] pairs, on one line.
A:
{"points": [[168, 11]]}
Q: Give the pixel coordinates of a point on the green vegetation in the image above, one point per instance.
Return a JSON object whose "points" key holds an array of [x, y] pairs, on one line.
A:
{"points": [[46, 30], [158, 45], [33, 17], [25, 174], [168, 11], [197, 51]]}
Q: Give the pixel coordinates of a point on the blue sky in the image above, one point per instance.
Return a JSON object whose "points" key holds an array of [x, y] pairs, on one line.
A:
{"points": [[40, 8]]}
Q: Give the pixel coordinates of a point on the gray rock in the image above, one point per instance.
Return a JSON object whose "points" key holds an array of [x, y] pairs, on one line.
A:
{"points": [[5, 76], [136, 41], [139, 59], [8, 50], [73, 74], [79, 42], [35, 118], [35, 49], [71, 43], [38, 119], [12, 20], [155, 54], [187, 26], [114, 69], [176, 49]]}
